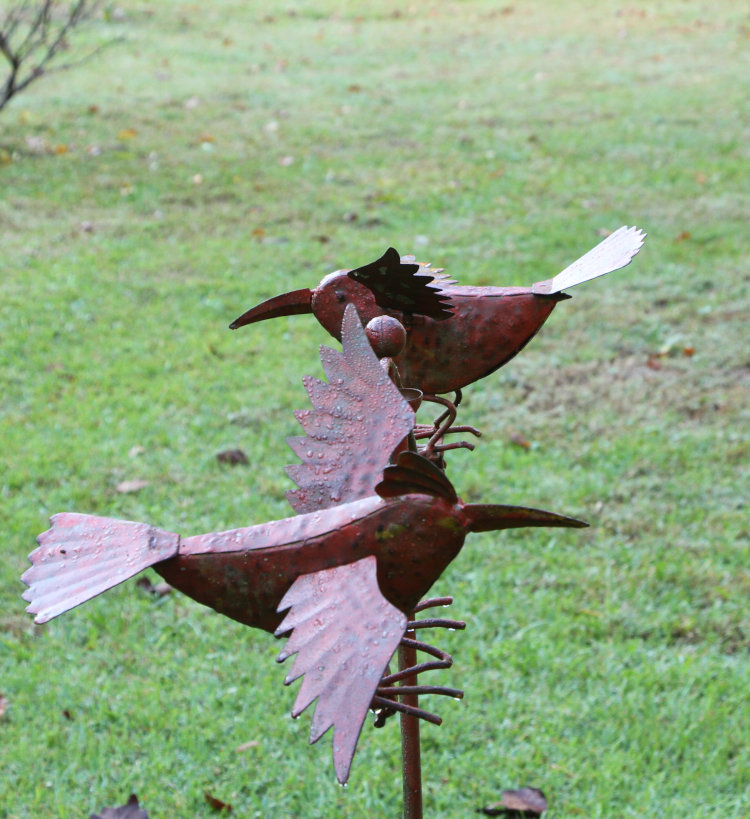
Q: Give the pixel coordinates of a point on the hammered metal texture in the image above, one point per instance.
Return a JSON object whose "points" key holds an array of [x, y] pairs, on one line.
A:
{"points": [[81, 556], [357, 420], [344, 634]]}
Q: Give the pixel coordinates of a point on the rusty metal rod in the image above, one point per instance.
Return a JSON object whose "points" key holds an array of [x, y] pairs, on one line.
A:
{"points": [[438, 622], [432, 602], [395, 705], [411, 763], [394, 690]]}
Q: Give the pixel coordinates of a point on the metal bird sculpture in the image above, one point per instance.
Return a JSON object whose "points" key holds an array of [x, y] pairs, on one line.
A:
{"points": [[375, 529], [455, 334]]}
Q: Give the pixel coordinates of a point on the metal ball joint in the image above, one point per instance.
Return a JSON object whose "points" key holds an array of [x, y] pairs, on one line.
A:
{"points": [[387, 336]]}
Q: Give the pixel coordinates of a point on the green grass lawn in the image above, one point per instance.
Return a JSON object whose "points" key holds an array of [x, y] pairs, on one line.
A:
{"points": [[224, 153]]}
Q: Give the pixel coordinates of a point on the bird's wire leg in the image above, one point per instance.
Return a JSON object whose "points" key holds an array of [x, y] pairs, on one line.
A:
{"points": [[385, 702], [441, 427]]}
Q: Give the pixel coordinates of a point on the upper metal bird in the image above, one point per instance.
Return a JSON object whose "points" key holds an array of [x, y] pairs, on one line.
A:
{"points": [[455, 334], [370, 538]]}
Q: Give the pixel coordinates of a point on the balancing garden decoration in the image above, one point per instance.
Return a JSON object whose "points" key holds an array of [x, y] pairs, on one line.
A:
{"points": [[377, 520]]}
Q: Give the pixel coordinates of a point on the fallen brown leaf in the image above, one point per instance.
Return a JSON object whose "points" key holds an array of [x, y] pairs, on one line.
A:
{"points": [[254, 743], [518, 803], [232, 456], [130, 810], [519, 440], [217, 804], [3, 705]]}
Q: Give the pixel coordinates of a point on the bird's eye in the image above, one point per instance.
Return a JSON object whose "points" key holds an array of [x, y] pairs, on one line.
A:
{"points": [[340, 295]]}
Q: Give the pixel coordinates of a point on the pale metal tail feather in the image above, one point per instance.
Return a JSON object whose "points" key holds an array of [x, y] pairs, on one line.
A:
{"points": [[616, 251], [81, 556]]}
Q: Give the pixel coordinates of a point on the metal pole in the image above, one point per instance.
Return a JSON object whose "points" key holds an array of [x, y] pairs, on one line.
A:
{"points": [[411, 762]]}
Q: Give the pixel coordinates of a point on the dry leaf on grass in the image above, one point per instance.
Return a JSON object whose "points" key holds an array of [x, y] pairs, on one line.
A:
{"points": [[130, 810], [232, 456], [519, 440], [522, 802], [217, 804]]}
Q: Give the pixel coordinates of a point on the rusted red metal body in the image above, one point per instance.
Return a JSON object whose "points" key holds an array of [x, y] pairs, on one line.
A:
{"points": [[455, 335], [244, 573]]}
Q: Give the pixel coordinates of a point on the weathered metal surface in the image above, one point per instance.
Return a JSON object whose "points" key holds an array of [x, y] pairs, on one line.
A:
{"points": [[414, 533], [344, 634], [413, 538], [488, 325], [387, 336], [81, 556], [345, 450]]}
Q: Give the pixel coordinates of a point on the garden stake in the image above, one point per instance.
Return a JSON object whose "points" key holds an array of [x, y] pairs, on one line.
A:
{"points": [[411, 761], [377, 519]]}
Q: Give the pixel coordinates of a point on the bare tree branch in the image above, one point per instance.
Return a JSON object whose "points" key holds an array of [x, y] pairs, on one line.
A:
{"points": [[32, 35]]}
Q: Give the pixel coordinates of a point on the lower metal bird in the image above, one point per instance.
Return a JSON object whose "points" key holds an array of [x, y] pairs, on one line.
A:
{"points": [[376, 526]]}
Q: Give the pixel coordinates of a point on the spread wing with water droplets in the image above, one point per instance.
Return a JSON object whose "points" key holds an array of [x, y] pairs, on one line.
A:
{"points": [[344, 632], [408, 287], [358, 419]]}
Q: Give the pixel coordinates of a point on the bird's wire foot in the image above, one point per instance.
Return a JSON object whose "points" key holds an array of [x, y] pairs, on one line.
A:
{"points": [[385, 703], [442, 426]]}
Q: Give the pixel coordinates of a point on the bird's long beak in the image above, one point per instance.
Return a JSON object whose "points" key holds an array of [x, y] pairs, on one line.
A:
{"points": [[489, 517], [288, 304]]}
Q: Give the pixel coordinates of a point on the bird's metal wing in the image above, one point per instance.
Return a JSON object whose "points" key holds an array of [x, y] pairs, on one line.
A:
{"points": [[358, 419], [406, 287], [614, 252], [344, 632]]}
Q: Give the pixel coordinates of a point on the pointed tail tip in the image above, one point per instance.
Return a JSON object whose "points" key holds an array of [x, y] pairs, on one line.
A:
{"points": [[613, 253]]}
